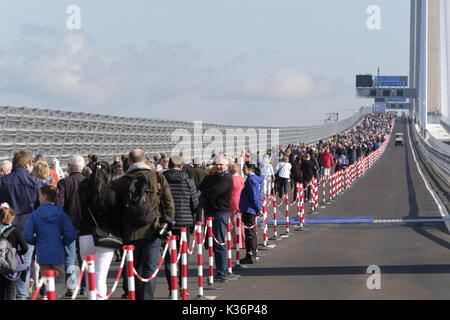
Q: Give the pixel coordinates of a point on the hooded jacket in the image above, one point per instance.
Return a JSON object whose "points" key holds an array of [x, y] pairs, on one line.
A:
{"points": [[250, 201], [185, 197], [50, 229]]}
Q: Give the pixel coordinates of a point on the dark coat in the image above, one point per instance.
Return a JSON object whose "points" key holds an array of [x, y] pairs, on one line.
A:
{"points": [[216, 190], [21, 191], [185, 197], [197, 174], [68, 197], [103, 213], [308, 169], [119, 189]]}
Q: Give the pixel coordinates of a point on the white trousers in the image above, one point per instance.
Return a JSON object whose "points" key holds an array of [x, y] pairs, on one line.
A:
{"points": [[103, 261], [267, 186]]}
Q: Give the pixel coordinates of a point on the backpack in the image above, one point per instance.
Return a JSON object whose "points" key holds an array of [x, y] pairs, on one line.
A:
{"points": [[139, 210], [8, 262]]}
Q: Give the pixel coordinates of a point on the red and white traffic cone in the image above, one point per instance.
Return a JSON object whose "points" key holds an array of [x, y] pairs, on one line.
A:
{"points": [[184, 264], [173, 267], [92, 294], [130, 272], [50, 276]]}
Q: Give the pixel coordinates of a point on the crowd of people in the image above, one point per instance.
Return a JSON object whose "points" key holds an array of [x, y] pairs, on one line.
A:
{"points": [[52, 217]]}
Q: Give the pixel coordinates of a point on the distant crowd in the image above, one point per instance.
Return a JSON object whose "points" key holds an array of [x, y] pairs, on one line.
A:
{"points": [[51, 217]]}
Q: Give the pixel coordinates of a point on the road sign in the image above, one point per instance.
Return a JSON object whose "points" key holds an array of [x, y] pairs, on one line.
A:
{"points": [[396, 100], [390, 84], [379, 108], [390, 78]]}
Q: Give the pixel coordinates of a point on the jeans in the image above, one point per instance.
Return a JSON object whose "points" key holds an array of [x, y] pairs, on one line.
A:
{"points": [[283, 186], [146, 257], [23, 286], [219, 226], [70, 253]]}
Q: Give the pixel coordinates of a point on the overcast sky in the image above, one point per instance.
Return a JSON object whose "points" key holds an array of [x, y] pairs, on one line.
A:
{"points": [[252, 62]]}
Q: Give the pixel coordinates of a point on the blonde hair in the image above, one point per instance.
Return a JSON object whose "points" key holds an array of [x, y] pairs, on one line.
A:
{"points": [[7, 215], [234, 168], [41, 170]]}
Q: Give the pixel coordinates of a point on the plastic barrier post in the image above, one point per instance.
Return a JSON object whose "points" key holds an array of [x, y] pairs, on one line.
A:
{"points": [[230, 256], [92, 295], [184, 264], [173, 266], [200, 260], [287, 214], [50, 275], [130, 268]]}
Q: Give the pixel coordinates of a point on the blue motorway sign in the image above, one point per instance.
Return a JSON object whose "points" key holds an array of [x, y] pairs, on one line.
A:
{"points": [[391, 84], [390, 78], [396, 100]]}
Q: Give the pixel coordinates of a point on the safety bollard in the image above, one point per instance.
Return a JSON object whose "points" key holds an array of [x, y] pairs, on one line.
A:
{"points": [[324, 185], [316, 198], [200, 259], [173, 267], [50, 276], [184, 264], [275, 222], [229, 253], [130, 271], [92, 294], [287, 214], [211, 251], [266, 224]]}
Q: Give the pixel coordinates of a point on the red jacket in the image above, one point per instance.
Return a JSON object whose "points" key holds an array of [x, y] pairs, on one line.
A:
{"points": [[326, 160]]}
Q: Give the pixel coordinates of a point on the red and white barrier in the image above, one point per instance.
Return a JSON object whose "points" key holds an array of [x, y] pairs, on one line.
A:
{"points": [[211, 250], [184, 264], [229, 252], [173, 267], [130, 270], [275, 223], [92, 293], [199, 259], [287, 212]]}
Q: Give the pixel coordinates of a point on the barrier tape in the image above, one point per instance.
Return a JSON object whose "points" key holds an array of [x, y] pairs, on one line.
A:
{"points": [[161, 261]]}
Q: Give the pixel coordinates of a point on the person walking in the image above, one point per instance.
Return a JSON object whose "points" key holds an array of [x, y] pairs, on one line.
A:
{"points": [[49, 229], [185, 198], [96, 212], [21, 191], [268, 174], [250, 204], [238, 185], [309, 170], [142, 232], [217, 189], [69, 199], [284, 172]]}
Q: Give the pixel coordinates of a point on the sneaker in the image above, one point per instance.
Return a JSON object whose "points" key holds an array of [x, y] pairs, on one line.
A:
{"points": [[44, 297], [220, 280], [246, 260], [82, 292], [125, 295]]}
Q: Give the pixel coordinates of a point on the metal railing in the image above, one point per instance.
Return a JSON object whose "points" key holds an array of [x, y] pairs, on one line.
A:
{"points": [[61, 134]]}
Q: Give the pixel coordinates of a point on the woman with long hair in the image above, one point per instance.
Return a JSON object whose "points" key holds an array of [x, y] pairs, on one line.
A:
{"points": [[96, 212]]}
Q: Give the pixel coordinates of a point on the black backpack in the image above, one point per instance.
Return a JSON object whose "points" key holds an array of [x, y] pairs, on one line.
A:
{"points": [[8, 262], [139, 211]]}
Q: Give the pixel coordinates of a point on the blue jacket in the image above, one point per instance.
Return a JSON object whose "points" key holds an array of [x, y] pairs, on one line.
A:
{"points": [[251, 196], [50, 229], [21, 191]]}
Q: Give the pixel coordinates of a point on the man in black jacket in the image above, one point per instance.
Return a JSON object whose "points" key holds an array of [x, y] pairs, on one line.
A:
{"points": [[308, 169], [69, 200], [185, 197], [216, 190]]}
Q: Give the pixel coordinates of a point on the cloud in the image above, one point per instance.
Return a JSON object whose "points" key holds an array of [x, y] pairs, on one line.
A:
{"points": [[283, 84]]}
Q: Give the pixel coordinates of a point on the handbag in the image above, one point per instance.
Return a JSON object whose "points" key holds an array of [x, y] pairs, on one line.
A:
{"points": [[277, 175], [104, 237]]}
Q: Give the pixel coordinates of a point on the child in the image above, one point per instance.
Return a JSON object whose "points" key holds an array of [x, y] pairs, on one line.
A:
{"points": [[13, 235], [50, 229]]}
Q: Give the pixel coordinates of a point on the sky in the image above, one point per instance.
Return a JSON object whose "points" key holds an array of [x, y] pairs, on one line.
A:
{"points": [[253, 62]]}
